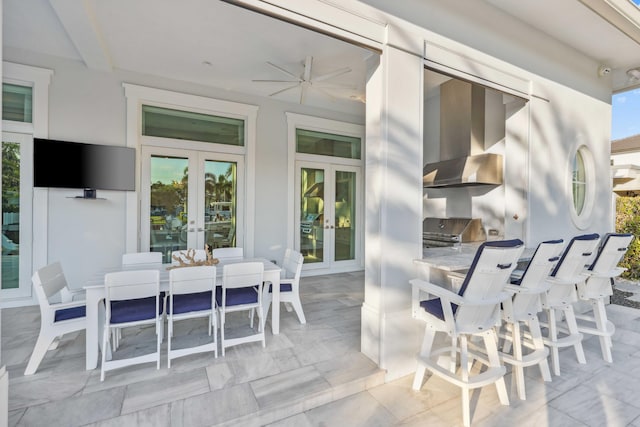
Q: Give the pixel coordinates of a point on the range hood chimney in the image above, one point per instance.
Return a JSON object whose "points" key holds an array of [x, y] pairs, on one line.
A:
{"points": [[463, 161]]}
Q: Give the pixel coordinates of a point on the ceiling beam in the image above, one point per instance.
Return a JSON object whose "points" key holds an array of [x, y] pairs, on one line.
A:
{"points": [[620, 13], [79, 21]]}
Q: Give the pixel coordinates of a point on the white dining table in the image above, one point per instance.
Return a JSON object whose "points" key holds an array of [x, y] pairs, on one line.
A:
{"points": [[95, 294]]}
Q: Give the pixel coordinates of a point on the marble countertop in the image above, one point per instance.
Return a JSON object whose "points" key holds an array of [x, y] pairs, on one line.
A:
{"points": [[457, 257]]}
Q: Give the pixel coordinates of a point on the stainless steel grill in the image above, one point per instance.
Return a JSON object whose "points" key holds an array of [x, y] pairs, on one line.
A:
{"points": [[442, 232]]}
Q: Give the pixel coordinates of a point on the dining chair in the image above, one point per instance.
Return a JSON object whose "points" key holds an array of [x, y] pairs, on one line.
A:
{"points": [[473, 311], [191, 295], [598, 287], [289, 285], [222, 253], [570, 270], [132, 298], [56, 319], [141, 259], [241, 290], [522, 349], [198, 255]]}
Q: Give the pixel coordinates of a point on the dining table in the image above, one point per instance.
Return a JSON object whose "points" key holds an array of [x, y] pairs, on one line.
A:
{"points": [[95, 294]]}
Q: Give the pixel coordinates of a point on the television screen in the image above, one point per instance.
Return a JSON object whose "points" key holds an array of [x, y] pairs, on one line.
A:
{"points": [[64, 164]]}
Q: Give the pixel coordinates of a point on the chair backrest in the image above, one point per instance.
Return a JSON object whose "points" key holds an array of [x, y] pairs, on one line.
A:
{"points": [[604, 269], [141, 258], [47, 282], [191, 280], [487, 277], [614, 246], [134, 284], [539, 268], [571, 268], [242, 275], [198, 255], [292, 265], [221, 253]]}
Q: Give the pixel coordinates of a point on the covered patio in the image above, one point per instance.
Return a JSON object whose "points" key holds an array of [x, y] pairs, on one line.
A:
{"points": [[309, 375]]}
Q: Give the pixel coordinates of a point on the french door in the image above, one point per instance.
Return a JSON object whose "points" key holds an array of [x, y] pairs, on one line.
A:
{"points": [[17, 184], [190, 199], [328, 215]]}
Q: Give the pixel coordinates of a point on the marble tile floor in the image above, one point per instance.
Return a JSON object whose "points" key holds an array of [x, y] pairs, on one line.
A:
{"points": [[309, 375]]}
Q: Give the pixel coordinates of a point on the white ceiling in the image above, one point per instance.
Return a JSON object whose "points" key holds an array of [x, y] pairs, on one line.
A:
{"points": [[213, 43]]}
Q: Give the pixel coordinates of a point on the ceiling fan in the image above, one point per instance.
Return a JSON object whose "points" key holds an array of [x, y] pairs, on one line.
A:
{"points": [[306, 80], [634, 75]]}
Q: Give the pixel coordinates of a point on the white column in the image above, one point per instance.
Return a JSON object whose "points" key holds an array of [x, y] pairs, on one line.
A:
{"points": [[393, 176]]}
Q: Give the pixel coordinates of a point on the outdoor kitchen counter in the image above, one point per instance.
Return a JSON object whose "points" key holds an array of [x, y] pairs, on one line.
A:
{"points": [[459, 257]]}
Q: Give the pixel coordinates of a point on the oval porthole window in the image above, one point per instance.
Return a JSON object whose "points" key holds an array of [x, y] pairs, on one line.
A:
{"points": [[579, 182], [582, 186]]}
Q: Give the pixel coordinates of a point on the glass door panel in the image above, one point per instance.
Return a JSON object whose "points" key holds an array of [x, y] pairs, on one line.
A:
{"points": [[168, 208], [15, 271], [312, 200], [220, 198], [345, 216]]}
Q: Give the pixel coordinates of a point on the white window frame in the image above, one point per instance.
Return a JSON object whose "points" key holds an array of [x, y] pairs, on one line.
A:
{"points": [[582, 219], [39, 79], [301, 121], [136, 96]]}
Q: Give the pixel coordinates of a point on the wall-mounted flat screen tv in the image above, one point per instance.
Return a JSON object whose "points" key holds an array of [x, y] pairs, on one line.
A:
{"points": [[64, 164]]}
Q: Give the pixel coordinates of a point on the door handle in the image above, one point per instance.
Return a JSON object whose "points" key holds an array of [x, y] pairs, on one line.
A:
{"points": [[191, 230], [200, 229]]}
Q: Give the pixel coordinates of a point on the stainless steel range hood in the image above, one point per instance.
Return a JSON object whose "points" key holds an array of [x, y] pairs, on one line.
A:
{"points": [[464, 161], [482, 169]]}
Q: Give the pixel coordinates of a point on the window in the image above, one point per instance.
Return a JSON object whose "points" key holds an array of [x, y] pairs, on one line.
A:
{"points": [[17, 104], [191, 126], [579, 183], [327, 144]]}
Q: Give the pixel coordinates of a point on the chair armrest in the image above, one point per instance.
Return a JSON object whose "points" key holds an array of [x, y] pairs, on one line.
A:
{"points": [[62, 305], [436, 290], [520, 290], [609, 274]]}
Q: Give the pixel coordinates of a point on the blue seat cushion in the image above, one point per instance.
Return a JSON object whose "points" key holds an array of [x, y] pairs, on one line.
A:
{"points": [[284, 287], [70, 313], [434, 307], [237, 296], [185, 303], [134, 310]]}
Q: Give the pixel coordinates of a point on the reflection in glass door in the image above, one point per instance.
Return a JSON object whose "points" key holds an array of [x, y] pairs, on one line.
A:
{"points": [[168, 207], [328, 214], [190, 200], [16, 215]]}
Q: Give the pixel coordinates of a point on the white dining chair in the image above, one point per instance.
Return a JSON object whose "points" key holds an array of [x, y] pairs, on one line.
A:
{"points": [[132, 299], [222, 253], [561, 295], [597, 288], [181, 255], [289, 285], [473, 311], [56, 319], [241, 290], [522, 349], [192, 295]]}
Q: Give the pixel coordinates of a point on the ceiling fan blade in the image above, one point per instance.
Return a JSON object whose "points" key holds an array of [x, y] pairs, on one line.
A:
{"points": [[274, 81], [333, 74], [284, 90], [303, 92], [298, 79], [308, 63]]}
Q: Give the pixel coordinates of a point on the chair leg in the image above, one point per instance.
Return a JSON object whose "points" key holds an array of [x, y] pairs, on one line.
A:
{"points": [[159, 328], [600, 317], [105, 344], [42, 345], [297, 306], [169, 335], [518, 369], [570, 318], [553, 336], [538, 345], [491, 344], [466, 410], [425, 352], [222, 332]]}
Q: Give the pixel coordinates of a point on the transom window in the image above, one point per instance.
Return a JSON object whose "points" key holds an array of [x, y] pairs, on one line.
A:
{"points": [[188, 125], [327, 144], [17, 103]]}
